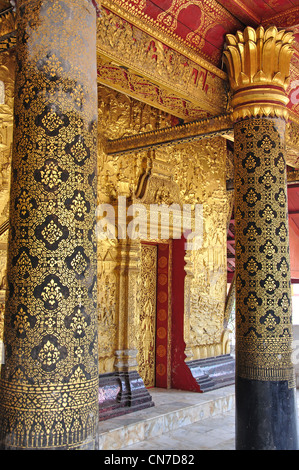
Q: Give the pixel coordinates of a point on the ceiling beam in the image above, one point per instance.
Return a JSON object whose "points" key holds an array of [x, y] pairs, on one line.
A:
{"points": [[197, 130]]}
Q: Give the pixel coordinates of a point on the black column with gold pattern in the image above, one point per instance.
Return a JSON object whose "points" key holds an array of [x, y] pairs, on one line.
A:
{"points": [[49, 382], [266, 414]]}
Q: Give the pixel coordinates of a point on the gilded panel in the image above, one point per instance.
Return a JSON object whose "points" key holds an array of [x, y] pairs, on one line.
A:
{"points": [[120, 115], [130, 47], [147, 331], [107, 304], [200, 171]]}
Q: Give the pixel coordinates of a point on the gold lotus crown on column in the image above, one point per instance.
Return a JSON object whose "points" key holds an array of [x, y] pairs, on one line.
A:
{"points": [[258, 65]]}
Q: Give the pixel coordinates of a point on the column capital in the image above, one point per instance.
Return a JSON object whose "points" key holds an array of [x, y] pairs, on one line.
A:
{"points": [[258, 66]]}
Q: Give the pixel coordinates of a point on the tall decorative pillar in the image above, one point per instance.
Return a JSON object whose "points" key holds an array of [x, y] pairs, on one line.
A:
{"points": [[258, 67], [49, 382]]}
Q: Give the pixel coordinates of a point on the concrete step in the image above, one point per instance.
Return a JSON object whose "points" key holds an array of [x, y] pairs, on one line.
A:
{"points": [[173, 409]]}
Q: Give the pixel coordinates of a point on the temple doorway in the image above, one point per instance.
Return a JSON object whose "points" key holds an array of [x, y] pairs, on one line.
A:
{"points": [[155, 314]]}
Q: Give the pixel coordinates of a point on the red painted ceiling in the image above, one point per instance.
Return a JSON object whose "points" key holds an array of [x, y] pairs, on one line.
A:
{"points": [[203, 24]]}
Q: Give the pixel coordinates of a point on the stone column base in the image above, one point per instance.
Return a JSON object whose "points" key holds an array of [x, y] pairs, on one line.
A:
{"points": [[121, 393]]}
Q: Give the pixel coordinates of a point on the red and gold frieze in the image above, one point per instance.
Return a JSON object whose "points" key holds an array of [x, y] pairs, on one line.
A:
{"points": [[140, 53], [123, 80], [198, 24]]}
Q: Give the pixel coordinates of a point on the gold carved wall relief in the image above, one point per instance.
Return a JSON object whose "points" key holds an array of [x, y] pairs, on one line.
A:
{"points": [[130, 47], [190, 173], [126, 81], [200, 171], [119, 261], [147, 328]]}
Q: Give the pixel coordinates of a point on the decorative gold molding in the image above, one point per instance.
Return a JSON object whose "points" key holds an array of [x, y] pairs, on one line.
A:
{"points": [[258, 62], [212, 127], [192, 131], [284, 19]]}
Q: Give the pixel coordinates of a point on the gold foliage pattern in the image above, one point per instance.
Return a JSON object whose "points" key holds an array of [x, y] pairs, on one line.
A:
{"points": [[119, 116], [147, 330], [200, 172]]}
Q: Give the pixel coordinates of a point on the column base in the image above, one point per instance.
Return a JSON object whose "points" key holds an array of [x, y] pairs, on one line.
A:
{"points": [[121, 393], [213, 372], [266, 415]]}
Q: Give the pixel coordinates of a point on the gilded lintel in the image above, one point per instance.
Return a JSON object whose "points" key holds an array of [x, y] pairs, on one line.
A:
{"points": [[197, 130], [119, 78], [193, 131]]}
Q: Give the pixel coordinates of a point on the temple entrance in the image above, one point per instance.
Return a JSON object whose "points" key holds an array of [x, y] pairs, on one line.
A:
{"points": [[154, 325]]}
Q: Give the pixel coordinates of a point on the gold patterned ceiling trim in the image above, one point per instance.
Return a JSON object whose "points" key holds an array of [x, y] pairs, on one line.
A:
{"points": [[284, 19], [124, 81], [147, 25], [216, 126], [135, 50]]}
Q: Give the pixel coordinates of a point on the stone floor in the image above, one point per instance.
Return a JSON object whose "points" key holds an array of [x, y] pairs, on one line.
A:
{"points": [[215, 433], [174, 410], [179, 421]]}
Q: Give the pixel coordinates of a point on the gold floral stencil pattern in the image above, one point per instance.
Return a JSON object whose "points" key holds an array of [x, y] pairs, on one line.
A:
{"points": [[49, 383], [263, 308]]}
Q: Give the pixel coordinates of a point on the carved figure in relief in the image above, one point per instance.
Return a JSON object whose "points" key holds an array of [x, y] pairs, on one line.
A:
{"points": [[147, 330]]}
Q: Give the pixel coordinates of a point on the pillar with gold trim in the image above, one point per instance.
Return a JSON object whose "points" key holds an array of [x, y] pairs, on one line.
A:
{"points": [[258, 67], [49, 382]]}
